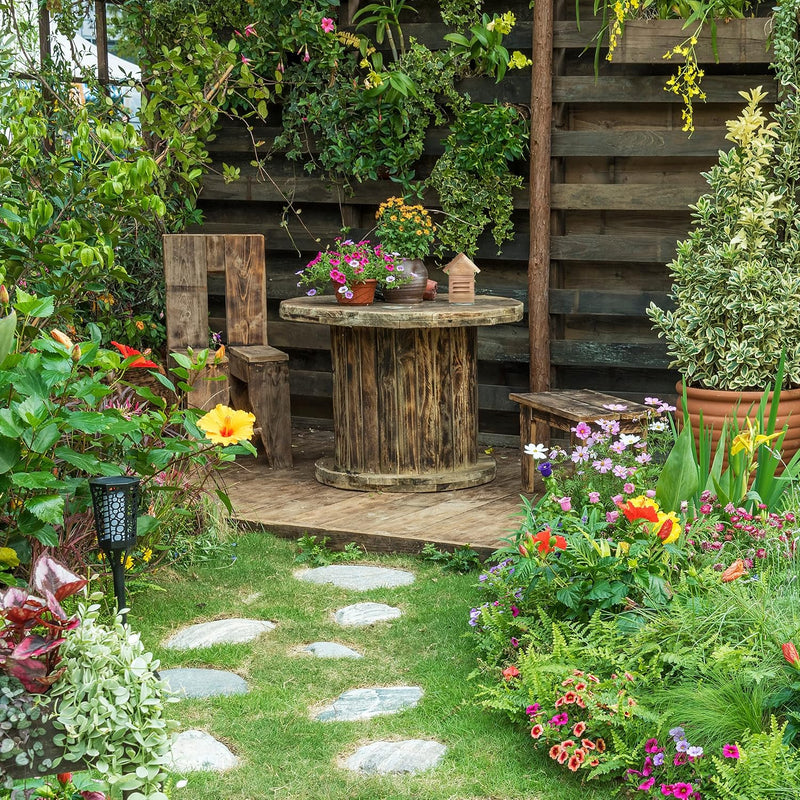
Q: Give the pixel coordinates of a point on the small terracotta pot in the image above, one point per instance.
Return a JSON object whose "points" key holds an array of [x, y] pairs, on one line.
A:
{"points": [[718, 405], [363, 293]]}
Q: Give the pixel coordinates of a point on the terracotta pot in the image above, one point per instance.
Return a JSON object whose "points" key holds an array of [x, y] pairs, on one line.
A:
{"points": [[363, 293], [718, 405], [409, 293]]}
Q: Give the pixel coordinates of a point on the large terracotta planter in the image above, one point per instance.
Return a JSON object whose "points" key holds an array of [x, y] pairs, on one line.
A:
{"points": [[718, 405]]}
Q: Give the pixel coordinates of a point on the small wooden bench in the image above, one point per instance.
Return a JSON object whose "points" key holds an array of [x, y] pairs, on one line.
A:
{"points": [[563, 410]]}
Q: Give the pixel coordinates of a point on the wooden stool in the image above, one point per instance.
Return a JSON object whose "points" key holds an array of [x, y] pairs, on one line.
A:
{"points": [[259, 382], [563, 410]]}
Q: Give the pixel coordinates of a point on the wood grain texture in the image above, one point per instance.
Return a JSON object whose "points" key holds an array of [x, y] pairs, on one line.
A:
{"points": [[186, 291], [245, 290]]}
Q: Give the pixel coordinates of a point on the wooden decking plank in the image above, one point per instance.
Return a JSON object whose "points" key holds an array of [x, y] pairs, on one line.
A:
{"points": [[291, 503]]}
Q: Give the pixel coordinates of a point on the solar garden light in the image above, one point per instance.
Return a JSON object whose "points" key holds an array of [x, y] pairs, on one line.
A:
{"points": [[116, 507]]}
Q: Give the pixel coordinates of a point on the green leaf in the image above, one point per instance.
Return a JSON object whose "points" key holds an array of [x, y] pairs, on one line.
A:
{"points": [[45, 438], [145, 523], [36, 480], [9, 453], [31, 306], [47, 508], [46, 535], [226, 501], [8, 327], [679, 477], [85, 462]]}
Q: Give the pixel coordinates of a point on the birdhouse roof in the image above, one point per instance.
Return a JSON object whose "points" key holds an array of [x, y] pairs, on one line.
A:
{"points": [[461, 265]]}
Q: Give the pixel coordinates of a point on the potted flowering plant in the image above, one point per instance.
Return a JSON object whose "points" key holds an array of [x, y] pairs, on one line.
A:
{"points": [[408, 233], [736, 278], [354, 269]]}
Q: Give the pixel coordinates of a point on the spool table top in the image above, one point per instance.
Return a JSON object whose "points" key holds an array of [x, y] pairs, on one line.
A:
{"points": [[438, 313]]}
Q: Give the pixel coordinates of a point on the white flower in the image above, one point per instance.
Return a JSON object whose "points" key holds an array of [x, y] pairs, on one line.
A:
{"points": [[658, 425], [390, 279], [628, 439], [538, 451], [354, 262], [342, 289]]}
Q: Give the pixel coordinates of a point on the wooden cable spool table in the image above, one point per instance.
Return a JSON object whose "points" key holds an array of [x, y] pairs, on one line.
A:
{"points": [[405, 392]]}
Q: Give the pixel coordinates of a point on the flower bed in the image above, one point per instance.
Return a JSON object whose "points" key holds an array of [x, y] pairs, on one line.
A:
{"points": [[639, 629]]}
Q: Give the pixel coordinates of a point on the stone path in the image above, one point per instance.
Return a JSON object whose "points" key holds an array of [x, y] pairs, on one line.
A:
{"points": [[195, 750]]}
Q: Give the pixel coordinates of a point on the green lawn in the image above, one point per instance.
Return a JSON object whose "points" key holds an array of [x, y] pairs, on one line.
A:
{"points": [[288, 755]]}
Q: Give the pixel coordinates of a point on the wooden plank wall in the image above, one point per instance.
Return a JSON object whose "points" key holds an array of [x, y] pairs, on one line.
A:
{"points": [[623, 174]]}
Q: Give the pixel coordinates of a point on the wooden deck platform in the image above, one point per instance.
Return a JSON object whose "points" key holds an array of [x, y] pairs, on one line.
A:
{"points": [[291, 503]]}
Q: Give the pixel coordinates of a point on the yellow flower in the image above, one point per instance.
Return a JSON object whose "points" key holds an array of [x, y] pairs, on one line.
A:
{"points": [[147, 554], [223, 425], [139, 325], [750, 440], [128, 563]]}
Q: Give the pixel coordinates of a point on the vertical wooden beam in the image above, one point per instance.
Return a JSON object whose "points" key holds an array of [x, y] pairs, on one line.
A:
{"points": [[539, 254], [101, 41], [44, 35]]}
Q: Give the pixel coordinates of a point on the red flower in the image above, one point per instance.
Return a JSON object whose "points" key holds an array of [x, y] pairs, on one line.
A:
{"points": [[587, 744], [555, 751], [510, 672], [563, 755], [127, 352], [546, 542], [537, 731], [64, 778], [791, 655], [570, 697], [665, 530], [633, 512], [574, 763], [579, 728]]}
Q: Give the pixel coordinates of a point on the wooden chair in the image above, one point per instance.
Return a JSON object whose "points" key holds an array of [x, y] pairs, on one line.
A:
{"points": [[563, 410], [257, 374]]}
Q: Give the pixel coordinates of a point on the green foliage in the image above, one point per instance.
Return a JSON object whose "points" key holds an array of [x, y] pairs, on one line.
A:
{"points": [[462, 559], [62, 421], [110, 704], [737, 277], [473, 177], [21, 717], [386, 19], [316, 553], [484, 51]]}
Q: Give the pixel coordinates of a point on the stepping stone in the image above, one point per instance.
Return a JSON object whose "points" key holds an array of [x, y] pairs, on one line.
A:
{"points": [[221, 631], [358, 704], [360, 615], [331, 650], [203, 682], [411, 755], [351, 576], [197, 751]]}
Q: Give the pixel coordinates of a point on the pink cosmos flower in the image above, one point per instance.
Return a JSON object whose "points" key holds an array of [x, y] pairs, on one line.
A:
{"points": [[619, 471], [644, 458], [628, 488], [580, 454], [582, 431], [603, 465], [651, 493], [615, 406], [327, 25]]}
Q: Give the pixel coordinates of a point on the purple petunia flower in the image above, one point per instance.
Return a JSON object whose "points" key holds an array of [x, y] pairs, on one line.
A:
{"points": [[546, 469]]}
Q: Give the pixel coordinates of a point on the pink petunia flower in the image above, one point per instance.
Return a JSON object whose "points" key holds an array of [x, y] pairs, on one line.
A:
{"points": [[565, 503], [645, 786], [730, 751]]}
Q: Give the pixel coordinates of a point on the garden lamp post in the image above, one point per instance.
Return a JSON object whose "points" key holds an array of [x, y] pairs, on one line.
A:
{"points": [[116, 507]]}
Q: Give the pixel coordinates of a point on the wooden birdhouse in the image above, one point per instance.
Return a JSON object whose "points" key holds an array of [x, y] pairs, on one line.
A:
{"points": [[461, 280]]}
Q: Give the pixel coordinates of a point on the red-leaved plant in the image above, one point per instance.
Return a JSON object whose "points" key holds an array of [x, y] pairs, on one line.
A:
{"points": [[32, 625]]}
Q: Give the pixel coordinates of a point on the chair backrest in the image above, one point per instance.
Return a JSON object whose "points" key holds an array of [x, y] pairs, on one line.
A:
{"points": [[188, 260]]}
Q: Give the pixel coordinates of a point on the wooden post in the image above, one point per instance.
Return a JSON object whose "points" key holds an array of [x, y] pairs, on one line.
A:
{"points": [[101, 42], [539, 254]]}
